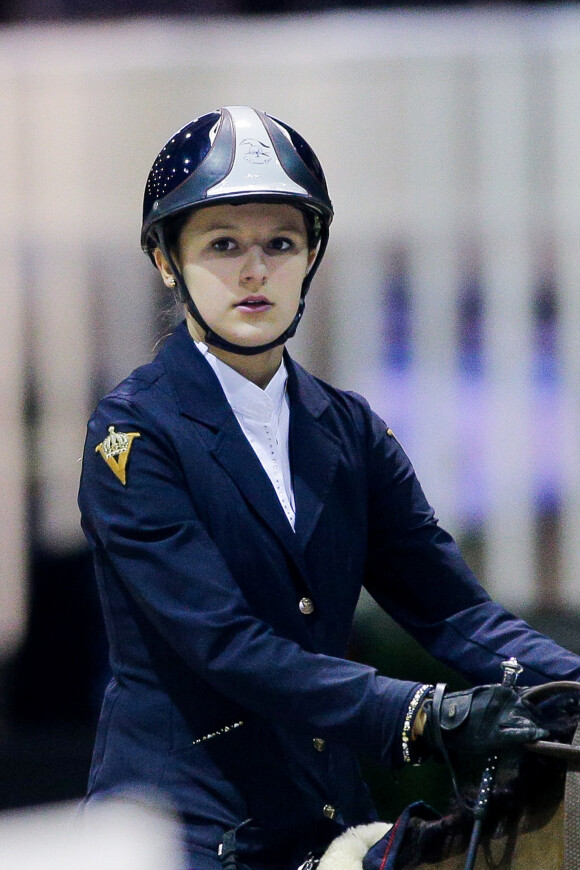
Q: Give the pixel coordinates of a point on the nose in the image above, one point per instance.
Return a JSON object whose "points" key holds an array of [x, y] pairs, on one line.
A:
{"points": [[254, 269]]}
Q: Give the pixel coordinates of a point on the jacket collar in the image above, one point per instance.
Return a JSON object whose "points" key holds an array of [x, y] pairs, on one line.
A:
{"points": [[314, 450], [199, 391]]}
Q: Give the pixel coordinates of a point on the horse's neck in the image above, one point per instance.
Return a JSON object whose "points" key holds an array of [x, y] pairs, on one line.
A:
{"points": [[545, 835], [548, 839], [539, 849], [572, 813]]}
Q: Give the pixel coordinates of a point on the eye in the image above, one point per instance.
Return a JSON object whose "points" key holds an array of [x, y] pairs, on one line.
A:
{"points": [[282, 244], [223, 245]]}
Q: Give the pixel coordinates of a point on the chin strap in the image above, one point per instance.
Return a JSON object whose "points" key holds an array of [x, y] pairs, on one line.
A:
{"points": [[210, 336], [213, 338]]}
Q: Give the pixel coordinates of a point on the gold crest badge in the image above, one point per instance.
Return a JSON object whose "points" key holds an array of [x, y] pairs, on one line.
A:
{"points": [[115, 451]]}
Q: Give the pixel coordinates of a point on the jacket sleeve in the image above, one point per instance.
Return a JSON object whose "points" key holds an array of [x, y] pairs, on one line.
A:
{"points": [[417, 574], [147, 531]]}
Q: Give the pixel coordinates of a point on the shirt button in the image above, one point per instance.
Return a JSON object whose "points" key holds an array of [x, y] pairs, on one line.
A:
{"points": [[319, 744], [329, 811], [306, 606]]}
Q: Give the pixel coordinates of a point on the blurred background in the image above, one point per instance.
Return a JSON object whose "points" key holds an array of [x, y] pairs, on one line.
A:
{"points": [[449, 296]]}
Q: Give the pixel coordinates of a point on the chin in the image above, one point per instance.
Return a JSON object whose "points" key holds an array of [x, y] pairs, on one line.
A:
{"points": [[253, 338]]}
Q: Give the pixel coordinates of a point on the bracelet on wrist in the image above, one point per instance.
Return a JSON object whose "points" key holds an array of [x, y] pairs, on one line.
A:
{"points": [[410, 756]]}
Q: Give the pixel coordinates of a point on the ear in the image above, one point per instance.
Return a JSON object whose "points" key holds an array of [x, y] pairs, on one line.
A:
{"points": [[164, 268]]}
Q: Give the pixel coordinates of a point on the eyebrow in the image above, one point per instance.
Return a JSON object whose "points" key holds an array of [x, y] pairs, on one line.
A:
{"points": [[282, 228]]}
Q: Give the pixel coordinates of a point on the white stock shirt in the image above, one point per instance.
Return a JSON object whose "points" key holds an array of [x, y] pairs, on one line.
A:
{"points": [[264, 416]]}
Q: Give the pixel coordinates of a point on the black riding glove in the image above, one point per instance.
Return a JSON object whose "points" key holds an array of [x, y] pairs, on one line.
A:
{"points": [[482, 720]]}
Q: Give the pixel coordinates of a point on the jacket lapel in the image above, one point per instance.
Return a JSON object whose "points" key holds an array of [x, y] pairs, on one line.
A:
{"points": [[201, 398], [235, 454], [314, 450]]}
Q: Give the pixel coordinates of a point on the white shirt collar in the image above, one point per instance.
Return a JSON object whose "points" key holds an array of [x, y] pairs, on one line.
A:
{"points": [[244, 396]]}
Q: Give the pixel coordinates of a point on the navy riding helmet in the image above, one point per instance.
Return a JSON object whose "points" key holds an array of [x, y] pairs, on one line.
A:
{"points": [[235, 154]]}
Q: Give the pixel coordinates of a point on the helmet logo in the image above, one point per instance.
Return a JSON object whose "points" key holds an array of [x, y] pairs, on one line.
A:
{"points": [[255, 151]]}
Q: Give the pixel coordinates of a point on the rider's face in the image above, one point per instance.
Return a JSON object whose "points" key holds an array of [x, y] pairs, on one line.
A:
{"points": [[244, 266]]}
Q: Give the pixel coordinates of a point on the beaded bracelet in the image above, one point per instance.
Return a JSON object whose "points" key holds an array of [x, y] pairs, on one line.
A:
{"points": [[409, 719]]}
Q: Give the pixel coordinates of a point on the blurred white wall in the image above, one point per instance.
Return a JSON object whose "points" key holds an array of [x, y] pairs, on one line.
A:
{"points": [[452, 138]]}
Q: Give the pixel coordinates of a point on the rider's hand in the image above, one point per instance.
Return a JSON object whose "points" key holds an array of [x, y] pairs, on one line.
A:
{"points": [[483, 720]]}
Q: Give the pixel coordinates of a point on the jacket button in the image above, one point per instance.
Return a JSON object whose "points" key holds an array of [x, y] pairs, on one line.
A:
{"points": [[329, 811], [306, 606], [319, 744]]}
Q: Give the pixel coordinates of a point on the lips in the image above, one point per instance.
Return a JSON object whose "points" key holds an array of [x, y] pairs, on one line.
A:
{"points": [[254, 303]]}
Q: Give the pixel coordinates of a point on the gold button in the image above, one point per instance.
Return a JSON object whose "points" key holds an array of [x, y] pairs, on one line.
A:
{"points": [[328, 811], [306, 606], [319, 744]]}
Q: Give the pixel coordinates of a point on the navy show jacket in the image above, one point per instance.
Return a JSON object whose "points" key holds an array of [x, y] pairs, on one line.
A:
{"points": [[227, 699]]}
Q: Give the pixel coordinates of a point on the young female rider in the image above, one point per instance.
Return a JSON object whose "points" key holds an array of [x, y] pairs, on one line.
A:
{"points": [[235, 505]]}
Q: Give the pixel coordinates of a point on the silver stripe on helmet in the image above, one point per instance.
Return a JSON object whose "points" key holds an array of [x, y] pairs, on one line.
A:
{"points": [[256, 168]]}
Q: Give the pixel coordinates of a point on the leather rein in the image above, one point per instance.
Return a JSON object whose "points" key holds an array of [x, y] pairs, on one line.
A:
{"points": [[571, 754]]}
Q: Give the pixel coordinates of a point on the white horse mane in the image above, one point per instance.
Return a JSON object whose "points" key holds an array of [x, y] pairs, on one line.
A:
{"points": [[348, 850]]}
